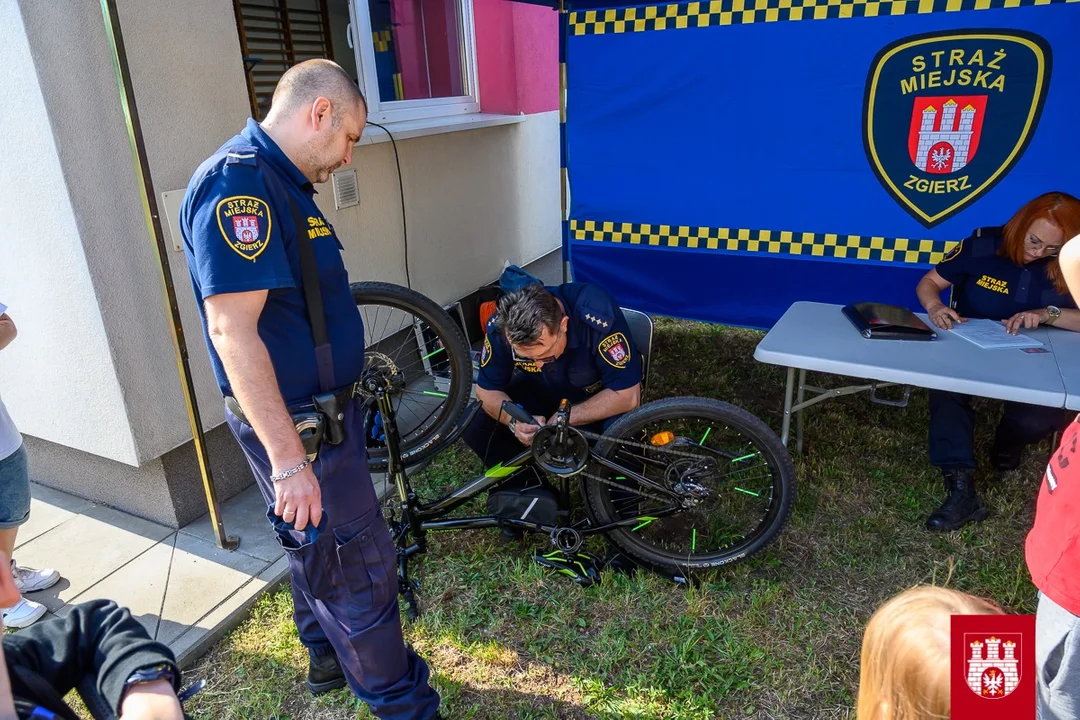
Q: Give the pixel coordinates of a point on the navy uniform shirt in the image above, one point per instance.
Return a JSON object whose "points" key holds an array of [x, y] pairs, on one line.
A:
{"points": [[988, 285], [240, 234], [599, 352]]}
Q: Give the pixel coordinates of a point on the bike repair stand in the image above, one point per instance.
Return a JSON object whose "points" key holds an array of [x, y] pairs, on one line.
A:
{"points": [[379, 386]]}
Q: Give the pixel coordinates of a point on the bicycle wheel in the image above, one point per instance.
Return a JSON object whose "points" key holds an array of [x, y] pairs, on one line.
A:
{"points": [[410, 334], [729, 482]]}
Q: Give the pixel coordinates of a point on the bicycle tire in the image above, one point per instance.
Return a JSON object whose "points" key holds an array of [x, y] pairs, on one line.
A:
{"points": [[433, 439], [764, 440]]}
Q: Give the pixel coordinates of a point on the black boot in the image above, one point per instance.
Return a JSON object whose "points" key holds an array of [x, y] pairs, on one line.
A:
{"points": [[1005, 455], [962, 504], [324, 673]]}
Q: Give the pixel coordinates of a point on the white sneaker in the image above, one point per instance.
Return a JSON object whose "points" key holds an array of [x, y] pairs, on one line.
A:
{"points": [[30, 580], [23, 613]]}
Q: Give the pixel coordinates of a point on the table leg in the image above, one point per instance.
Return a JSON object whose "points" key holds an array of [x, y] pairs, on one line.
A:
{"points": [[799, 413], [785, 428]]}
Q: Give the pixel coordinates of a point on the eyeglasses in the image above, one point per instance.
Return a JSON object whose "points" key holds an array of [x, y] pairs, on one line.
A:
{"points": [[1042, 248], [548, 359]]}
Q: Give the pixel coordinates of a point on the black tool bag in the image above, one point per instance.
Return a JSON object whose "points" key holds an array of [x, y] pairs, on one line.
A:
{"points": [[538, 504]]}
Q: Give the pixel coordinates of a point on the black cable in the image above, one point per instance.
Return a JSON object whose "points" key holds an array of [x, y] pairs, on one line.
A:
{"points": [[401, 188]]}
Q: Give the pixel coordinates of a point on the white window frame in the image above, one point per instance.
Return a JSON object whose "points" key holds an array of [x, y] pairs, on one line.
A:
{"points": [[384, 111]]}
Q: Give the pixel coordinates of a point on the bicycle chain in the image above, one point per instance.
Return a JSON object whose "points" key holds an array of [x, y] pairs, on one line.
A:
{"points": [[597, 436], [624, 488], [644, 446]]}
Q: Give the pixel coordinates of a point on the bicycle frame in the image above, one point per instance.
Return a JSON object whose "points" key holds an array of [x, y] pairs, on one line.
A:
{"points": [[417, 519]]}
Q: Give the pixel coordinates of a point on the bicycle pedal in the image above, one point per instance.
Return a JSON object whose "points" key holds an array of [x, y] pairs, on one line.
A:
{"points": [[581, 567]]}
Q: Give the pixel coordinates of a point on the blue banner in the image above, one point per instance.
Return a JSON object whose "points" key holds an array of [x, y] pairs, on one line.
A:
{"points": [[729, 158]]}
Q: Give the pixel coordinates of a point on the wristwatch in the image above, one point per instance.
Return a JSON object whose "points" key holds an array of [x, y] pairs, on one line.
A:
{"points": [[1054, 312], [152, 673]]}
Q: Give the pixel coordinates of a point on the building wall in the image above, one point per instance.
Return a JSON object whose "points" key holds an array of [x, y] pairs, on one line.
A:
{"points": [[57, 378], [98, 343], [517, 54]]}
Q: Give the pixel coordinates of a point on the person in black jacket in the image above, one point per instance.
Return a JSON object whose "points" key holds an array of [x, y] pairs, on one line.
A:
{"points": [[135, 677]]}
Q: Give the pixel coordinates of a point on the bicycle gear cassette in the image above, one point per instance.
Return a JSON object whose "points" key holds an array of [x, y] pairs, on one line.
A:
{"points": [[560, 456]]}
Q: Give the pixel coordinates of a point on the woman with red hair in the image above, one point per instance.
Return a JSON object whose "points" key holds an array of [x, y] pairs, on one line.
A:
{"points": [[1011, 274]]}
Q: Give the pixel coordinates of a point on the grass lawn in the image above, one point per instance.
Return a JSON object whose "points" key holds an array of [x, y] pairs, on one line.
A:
{"points": [[775, 637]]}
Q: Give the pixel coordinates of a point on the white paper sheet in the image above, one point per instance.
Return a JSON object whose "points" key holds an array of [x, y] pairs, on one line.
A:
{"points": [[992, 335]]}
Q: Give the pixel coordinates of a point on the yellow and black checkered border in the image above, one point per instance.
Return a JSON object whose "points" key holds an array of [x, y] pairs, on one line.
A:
{"points": [[773, 242], [679, 16], [382, 39]]}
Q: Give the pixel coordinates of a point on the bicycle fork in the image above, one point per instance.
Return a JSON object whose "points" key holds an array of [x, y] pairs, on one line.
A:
{"points": [[395, 470]]}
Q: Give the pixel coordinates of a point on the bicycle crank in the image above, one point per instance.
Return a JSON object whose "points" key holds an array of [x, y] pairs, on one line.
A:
{"points": [[560, 451], [566, 539]]}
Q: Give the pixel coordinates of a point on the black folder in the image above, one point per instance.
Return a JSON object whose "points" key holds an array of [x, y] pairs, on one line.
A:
{"points": [[887, 322]]}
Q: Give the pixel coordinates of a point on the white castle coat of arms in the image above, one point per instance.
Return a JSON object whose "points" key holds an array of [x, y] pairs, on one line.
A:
{"points": [[993, 668]]}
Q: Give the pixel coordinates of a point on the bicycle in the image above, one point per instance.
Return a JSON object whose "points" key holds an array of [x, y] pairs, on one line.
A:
{"points": [[656, 491], [680, 485]]}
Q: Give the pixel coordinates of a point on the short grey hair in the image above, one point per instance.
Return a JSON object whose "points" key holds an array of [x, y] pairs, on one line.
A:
{"points": [[523, 314], [304, 82]]}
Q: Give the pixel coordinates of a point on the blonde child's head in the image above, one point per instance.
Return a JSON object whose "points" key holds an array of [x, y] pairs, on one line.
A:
{"points": [[905, 654]]}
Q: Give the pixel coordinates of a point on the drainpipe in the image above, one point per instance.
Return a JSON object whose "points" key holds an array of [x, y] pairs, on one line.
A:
{"points": [[153, 227]]}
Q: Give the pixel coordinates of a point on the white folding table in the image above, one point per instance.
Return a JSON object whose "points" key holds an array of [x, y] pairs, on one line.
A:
{"points": [[1066, 347], [818, 337]]}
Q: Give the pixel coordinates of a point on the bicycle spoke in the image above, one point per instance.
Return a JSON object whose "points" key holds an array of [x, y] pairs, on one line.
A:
{"points": [[724, 480]]}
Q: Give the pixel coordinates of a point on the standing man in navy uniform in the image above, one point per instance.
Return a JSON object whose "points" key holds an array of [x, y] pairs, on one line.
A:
{"points": [[548, 343], [246, 209]]}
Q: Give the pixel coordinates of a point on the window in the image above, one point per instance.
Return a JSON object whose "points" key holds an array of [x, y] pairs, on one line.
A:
{"points": [[274, 36], [412, 58], [421, 60]]}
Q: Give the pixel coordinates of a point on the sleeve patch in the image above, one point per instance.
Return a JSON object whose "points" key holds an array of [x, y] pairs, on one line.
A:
{"points": [[485, 354], [615, 350], [245, 224], [953, 251]]}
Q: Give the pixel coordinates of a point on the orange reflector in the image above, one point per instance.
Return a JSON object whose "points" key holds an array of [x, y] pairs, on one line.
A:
{"points": [[662, 438]]}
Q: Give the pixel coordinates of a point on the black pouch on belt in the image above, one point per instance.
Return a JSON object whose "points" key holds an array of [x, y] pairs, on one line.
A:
{"points": [[332, 406]]}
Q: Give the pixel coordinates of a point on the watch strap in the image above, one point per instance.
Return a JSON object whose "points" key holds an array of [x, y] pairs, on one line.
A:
{"points": [[149, 674]]}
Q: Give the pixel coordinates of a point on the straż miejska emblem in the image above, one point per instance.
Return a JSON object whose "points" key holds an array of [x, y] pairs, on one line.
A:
{"points": [[948, 114]]}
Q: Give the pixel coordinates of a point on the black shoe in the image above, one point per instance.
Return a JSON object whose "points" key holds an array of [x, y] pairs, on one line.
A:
{"points": [[962, 504], [324, 673], [1006, 456]]}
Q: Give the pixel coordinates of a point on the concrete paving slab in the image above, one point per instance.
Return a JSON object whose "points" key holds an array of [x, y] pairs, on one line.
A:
{"points": [[48, 509], [223, 619], [244, 516], [201, 577], [87, 549], [139, 585]]}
